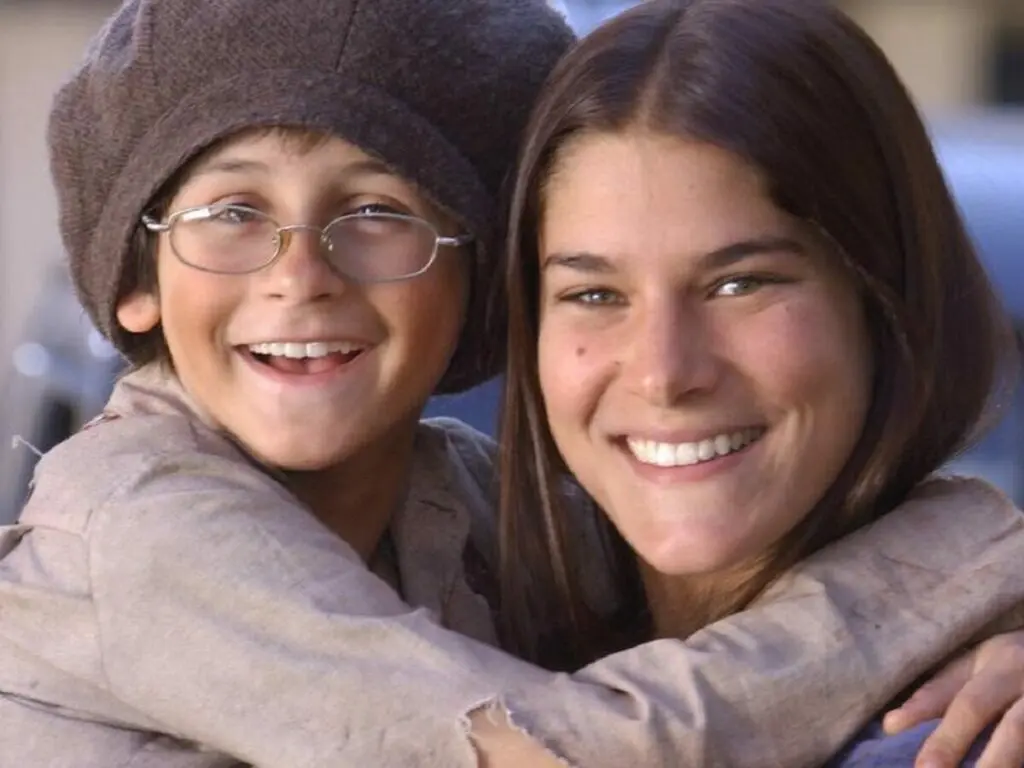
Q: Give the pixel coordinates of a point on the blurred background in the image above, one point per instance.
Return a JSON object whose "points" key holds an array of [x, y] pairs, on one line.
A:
{"points": [[962, 59]]}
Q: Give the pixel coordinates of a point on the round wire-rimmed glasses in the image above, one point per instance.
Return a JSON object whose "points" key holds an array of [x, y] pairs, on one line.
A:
{"points": [[235, 239]]}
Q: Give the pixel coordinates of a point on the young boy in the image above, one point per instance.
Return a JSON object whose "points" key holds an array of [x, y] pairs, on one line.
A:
{"points": [[283, 214]]}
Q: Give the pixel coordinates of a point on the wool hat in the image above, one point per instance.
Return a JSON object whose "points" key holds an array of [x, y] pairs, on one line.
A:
{"points": [[439, 90]]}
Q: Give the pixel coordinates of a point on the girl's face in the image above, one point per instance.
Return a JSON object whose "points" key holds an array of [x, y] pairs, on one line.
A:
{"points": [[704, 363], [301, 365]]}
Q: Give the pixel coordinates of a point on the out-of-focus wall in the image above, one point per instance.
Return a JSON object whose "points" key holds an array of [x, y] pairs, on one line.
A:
{"points": [[943, 49], [40, 42], [939, 47]]}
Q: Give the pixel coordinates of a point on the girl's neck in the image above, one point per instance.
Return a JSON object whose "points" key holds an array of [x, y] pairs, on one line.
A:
{"points": [[357, 498], [682, 605]]}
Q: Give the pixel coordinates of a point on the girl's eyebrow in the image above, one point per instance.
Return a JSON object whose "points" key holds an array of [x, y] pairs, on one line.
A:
{"points": [[720, 258], [729, 255], [581, 261]]}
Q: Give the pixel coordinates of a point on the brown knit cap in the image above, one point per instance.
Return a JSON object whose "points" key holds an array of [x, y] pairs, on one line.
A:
{"points": [[437, 89]]}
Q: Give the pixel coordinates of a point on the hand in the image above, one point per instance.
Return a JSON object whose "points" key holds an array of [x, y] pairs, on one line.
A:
{"points": [[500, 745], [970, 694]]}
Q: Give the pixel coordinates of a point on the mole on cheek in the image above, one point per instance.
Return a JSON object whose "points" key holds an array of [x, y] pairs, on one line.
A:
{"points": [[581, 351]]}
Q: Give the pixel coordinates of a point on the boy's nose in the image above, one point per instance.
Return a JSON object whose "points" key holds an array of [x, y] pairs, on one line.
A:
{"points": [[301, 272]]}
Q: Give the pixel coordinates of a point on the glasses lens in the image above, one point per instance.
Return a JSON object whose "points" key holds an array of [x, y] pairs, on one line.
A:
{"points": [[380, 246], [225, 238]]}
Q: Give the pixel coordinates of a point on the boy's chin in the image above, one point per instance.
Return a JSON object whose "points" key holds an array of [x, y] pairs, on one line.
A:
{"points": [[301, 457]]}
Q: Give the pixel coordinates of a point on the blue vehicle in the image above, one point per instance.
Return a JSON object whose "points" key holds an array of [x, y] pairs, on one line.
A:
{"points": [[982, 154], [584, 15]]}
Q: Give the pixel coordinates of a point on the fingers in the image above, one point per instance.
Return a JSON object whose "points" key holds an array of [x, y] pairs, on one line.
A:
{"points": [[933, 698], [977, 705], [1006, 747]]}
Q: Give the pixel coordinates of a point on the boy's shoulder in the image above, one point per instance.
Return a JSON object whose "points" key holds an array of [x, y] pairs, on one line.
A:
{"points": [[116, 453], [457, 462], [456, 467], [123, 441], [464, 444]]}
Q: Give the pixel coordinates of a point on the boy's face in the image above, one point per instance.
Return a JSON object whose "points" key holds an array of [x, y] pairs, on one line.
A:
{"points": [[302, 366]]}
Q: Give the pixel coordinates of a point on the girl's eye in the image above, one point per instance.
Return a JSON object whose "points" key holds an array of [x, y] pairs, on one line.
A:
{"points": [[742, 285], [594, 297]]}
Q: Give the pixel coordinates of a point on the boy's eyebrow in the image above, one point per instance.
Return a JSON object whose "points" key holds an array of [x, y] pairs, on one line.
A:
{"points": [[720, 258], [369, 167], [230, 165], [365, 167]]}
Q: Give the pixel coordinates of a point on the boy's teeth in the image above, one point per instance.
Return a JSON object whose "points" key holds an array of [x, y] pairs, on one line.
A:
{"points": [[298, 350], [686, 454]]}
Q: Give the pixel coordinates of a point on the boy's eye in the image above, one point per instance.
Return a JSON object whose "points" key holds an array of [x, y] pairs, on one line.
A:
{"points": [[375, 208], [235, 214]]}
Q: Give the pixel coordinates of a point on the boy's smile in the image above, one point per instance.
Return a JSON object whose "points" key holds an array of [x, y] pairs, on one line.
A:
{"points": [[304, 357]]}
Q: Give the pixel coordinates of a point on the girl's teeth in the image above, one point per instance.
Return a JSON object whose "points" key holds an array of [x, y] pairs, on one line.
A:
{"points": [[686, 454], [664, 455], [706, 450]]}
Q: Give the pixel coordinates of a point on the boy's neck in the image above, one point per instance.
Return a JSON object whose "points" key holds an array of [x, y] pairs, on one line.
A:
{"points": [[357, 498]]}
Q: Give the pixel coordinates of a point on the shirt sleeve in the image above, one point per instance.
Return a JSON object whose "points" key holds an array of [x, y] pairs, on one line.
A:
{"points": [[231, 616], [787, 682]]}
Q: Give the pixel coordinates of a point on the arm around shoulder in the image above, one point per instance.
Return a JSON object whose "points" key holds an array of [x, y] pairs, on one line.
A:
{"points": [[232, 617]]}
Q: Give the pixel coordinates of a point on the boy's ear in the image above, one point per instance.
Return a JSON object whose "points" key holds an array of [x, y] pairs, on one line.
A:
{"points": [[139, 312]]}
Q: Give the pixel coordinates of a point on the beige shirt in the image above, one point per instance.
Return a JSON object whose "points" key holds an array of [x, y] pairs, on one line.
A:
{"points": [[161, 592]]}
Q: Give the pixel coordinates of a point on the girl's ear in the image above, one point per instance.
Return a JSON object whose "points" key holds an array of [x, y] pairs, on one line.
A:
{"points": [[139, 312]]}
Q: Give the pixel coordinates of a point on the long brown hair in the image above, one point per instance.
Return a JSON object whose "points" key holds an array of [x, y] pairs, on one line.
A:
{"points": [[799, 91]]}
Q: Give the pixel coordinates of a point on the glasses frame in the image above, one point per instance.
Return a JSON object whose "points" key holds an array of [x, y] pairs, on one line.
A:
{"points": [[283, 235]]}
